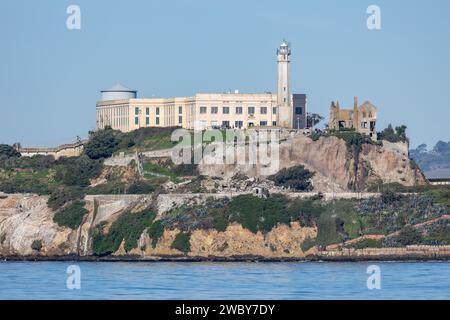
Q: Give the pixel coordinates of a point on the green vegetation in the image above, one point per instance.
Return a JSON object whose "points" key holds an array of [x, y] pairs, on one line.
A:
{"points": [[77, 171], [72, 215], [388, 134], [7, 151], [128, 227], [182, 242], [102, 143], [36, 245], [297, 178], [155, 232], [59, 197], [407, 236], [307, 244], [367, 243], [152, 170], [354, 140]]}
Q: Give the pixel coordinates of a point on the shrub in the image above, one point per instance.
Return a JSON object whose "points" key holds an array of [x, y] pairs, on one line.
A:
{"points": [[182, 242], [367, 243], [36, 245], [59, 197], [140, 187], [327, 231], [297, 178], [77, 171], [128, 227], [155, 232], [388, 196], [408, 236], [390, 135], [101, 144], [307, 244], [72, 215], [6, 151]]}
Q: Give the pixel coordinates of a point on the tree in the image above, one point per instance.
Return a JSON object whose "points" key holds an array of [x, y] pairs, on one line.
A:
{"points": [[6, 151], [401, 133], [391, 135], [101, 144], [312, 119], [297, 178]]}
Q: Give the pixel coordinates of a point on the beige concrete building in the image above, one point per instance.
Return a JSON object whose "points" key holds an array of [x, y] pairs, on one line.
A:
{"points": [[363, 118], [122, 110]]}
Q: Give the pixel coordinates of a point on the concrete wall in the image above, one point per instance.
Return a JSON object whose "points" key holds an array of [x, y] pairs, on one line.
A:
{"points": [[65, 150]]}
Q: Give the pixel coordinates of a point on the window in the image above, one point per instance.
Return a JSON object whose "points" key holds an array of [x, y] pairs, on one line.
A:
{"points": [[180, 110], [364, 125], [298, 110], [263, 123], [274, 110], [238, 110], [180, 119], [157, 121], [147, 121], [157, 111], [226, 110], [136, 120], [238, 124], [202, 110], [251, 124], [147, 111], [136, 111], [263, 110], [251, 110], [225, 124], [274, 123], [214, 110]]}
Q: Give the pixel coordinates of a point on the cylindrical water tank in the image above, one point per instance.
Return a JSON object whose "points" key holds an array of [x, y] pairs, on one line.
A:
{"points": [[118, 92]]}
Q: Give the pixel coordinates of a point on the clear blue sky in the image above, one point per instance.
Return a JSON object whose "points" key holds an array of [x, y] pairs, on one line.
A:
{"points": [[50, 77]]}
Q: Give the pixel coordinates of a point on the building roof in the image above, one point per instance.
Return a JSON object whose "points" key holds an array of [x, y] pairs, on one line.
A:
{"points": [[438, 174], [118, 88]]}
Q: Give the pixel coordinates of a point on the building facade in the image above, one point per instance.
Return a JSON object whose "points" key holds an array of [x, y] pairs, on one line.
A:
{"points": [[363, 118], [122, 110]]}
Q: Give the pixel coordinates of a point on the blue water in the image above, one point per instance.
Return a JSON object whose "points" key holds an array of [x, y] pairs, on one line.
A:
{"points": [[288, 280]]}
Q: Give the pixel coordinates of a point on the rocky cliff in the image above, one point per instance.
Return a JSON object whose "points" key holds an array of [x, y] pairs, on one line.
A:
{"points": [[336, 167], [25, 219]]}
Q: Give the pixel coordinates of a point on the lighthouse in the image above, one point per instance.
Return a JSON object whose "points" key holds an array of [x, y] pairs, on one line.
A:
{"points": [[284, 101]]}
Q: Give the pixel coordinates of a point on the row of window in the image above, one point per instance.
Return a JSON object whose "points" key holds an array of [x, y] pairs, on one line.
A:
{"points": [[240, 124], [147, 111], [147, 120], [238, 110]]}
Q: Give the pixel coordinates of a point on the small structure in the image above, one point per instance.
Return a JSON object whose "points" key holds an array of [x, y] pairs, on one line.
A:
{"points": [[261, 192], [439, 177], [363, 118]]}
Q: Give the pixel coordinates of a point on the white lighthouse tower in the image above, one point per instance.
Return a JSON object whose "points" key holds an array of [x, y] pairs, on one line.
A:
{"points": [[284, 103]]}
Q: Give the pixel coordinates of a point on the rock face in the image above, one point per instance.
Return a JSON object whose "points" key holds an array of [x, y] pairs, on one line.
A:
{"points": [[26, 218], [337, 169]]}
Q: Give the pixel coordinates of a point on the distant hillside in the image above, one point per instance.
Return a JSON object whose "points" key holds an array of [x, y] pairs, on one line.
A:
{"points": [[430, 160]]}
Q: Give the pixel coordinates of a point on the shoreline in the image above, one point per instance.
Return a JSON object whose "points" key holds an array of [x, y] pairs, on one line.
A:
{"points": [[245, 259]]}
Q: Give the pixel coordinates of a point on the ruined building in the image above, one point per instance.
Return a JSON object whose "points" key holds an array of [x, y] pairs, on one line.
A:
{"points": [[363, 118]]}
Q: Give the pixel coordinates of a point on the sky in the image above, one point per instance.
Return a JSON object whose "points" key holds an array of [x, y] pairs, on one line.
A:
{"points": [[50, 76]]}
